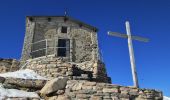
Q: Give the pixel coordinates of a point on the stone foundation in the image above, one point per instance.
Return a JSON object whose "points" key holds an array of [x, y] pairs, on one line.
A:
{"points": [[80, 90], [85, 90], [52, 67], [87, 81]]}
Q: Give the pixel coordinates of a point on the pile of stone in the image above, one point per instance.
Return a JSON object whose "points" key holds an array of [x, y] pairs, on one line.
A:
{"points": [[62, 88], [7, 65], [70, 81], [21, 84], [32, 89]]}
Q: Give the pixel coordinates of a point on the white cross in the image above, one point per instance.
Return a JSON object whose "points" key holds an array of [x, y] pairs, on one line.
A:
{"points": [[131, 52]]}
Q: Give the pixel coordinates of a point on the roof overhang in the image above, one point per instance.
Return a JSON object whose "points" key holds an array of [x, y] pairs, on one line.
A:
{"points": [[71, 19]]}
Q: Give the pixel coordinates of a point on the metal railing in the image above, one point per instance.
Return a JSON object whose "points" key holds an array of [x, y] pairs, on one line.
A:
{"points": [[45, 47], [49, 46]]}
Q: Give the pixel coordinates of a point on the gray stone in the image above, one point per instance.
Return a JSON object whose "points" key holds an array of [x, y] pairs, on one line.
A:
{"points": [[96, 98], [71, 94], [115, 98], [107, 97], [60, 97], [2, 79], [10, 86], [26, 83], [82, 96], [77, 86], [87, 87], [54, 85], [90, 83], [86, 91], [110, 90], [123, 96]]}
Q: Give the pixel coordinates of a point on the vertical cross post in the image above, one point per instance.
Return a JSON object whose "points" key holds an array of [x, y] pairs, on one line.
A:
{"points": [[131, 53], [130, 46]]}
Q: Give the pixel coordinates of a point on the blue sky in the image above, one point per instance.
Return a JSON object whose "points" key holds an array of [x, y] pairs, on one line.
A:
{"points": [[148, 18]]}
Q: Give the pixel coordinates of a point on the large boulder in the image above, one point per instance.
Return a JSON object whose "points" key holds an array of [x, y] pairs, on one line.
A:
{"points": [[23, 78], [26, 83], [54, 85]]}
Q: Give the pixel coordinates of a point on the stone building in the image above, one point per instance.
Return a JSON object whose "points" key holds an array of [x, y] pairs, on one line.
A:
{"points": [[66, 37], [61, 45]]}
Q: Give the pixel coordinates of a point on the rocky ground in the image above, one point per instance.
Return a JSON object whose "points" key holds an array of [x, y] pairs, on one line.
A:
{"points": [[28, 85]]}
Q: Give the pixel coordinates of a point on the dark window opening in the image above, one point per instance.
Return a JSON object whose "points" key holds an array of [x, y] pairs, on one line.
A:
{"points": [[65, 19], [49, 19], [63, 47], [31, 19], [80, 25], [63, 29]]}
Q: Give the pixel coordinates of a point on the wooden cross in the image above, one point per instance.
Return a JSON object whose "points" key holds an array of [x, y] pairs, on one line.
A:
{"points": [[131, 52]]}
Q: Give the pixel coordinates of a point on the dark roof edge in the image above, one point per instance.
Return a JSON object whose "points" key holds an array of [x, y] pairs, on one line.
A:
{"points": [[72, 19]]}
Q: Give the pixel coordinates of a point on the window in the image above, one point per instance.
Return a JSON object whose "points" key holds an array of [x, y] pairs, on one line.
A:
{"points": [[63, 47], [63, 29]]}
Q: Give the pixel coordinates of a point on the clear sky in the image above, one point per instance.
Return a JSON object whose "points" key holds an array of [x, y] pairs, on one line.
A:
{"points": [[148, 18]]}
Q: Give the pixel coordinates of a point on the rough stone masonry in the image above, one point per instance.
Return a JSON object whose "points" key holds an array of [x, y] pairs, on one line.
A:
{"points": [[60, 46], [66, 37]]}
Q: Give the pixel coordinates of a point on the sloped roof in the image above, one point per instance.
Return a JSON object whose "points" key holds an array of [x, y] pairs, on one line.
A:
{"points": [[71, 19]]}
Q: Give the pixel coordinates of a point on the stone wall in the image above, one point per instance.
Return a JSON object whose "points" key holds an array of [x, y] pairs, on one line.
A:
{"points": [[63, 89], [7, 65], [28, 40], [51, 66], [83, 39], [85, 90]]}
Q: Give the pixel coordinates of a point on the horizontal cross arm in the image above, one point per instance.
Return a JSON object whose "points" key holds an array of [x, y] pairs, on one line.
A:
{"points": [[117, 34], [140, 38], [126, 36]]}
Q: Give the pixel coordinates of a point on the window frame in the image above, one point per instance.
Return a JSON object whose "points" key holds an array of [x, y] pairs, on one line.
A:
{"points": [[64, 29], [66, 48]]}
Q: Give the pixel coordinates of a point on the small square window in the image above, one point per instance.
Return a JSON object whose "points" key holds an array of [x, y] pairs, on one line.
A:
{"points": [[63, 29]]}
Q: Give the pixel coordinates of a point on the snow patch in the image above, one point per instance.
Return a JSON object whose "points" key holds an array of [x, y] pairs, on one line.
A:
{"points": [[166, 98], [24, 74], [16, 93]]}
